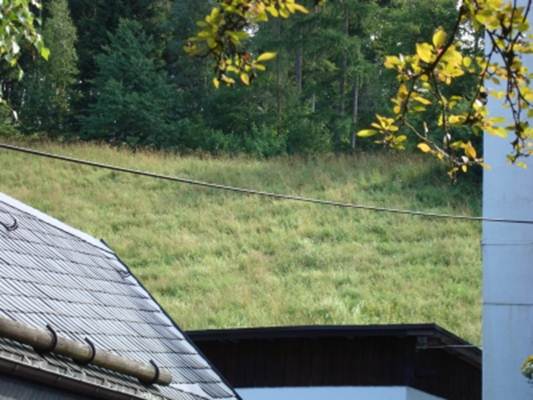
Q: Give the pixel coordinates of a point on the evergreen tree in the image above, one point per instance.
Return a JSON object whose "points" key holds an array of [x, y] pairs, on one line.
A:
{"points": [[46, 92], [95, 19], [134, 102]]}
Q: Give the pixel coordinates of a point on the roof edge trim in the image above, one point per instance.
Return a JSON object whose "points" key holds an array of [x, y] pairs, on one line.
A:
{"points": [[10, 201]]}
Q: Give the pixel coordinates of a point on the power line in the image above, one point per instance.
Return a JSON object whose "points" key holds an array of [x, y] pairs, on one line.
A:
{"points": [[279, 196]]}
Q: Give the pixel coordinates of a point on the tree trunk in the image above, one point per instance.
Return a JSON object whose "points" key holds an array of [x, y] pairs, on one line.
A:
{"points": [[355, 112], [298, 67], [342, 79], [278, 79]]}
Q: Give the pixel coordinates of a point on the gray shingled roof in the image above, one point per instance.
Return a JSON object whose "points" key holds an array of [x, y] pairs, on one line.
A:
{"points": [[53, 274]]}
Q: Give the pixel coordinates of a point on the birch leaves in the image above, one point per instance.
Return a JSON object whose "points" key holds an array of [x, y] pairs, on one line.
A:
{"points": [[17, 28], [527, 367], [223, 32], [425, 77]]}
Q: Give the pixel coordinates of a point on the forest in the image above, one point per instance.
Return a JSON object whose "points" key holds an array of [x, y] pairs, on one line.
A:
{"points": [[118, 73]]}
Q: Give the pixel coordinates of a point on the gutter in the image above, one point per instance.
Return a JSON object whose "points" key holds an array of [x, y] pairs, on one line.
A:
{"points": [[63, 382]]}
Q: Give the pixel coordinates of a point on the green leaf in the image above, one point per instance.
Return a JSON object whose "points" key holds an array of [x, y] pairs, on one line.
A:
{"points": [[45, 53]]}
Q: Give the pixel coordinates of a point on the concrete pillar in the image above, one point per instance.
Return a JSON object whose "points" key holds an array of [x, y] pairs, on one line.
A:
{"points": [[507, 269]]}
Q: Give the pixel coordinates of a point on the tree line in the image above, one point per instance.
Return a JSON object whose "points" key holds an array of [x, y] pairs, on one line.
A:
{"points": [[117, 73]]}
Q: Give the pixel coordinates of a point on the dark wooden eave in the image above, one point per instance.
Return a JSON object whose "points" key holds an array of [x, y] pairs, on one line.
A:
{"points": [[436, 336], [422, 356]]}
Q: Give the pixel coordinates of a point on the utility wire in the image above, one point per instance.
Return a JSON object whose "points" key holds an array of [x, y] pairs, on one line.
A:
{"points": [[241, 190]]}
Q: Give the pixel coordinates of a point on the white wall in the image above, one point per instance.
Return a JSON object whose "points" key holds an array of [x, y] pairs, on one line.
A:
{"points": [[508, 270], [335, 393]]}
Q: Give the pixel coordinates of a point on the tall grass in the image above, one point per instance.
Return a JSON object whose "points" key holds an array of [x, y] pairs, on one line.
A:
{"points": [[216, 259]]}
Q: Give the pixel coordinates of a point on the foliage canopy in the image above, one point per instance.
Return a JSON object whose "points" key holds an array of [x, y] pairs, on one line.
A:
{"points": [[335, 65]]}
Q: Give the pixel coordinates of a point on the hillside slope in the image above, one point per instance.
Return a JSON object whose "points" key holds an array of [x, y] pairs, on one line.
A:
{"points": [[217, 259]]}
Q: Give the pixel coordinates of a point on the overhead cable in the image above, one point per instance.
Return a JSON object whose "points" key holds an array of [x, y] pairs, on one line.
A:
{"points": [[253, 192]]}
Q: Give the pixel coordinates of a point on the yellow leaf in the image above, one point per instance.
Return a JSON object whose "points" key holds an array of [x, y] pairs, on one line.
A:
{"points": [[499, 94], [300, 8], [266, 57], [494, 3], [496, 131], [424, 148], [421, 100], [470, 151], [488, 19], [456, 119], [245, 78], [259, 67], [45, 53], [204, 34], [439, 38], [216, 83], [228, 80], [211, 43], [425, 52], [400, 139], [367, 133], [391, 62], [273, 11]]}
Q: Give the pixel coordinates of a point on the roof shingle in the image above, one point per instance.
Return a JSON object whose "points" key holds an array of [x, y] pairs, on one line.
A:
{"points": [[53, 274]]}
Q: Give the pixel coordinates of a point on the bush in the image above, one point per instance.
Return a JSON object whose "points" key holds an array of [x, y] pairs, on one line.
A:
{"points": [[195, 135], [264, 141], [7, 123], [307, 136]]}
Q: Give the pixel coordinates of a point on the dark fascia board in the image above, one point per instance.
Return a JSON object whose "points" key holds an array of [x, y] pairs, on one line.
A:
{"points": [[441, 336], [319, 331], [61, 382]]}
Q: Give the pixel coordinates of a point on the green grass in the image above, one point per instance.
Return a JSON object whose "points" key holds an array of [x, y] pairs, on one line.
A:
{"points": [[216, 259]]}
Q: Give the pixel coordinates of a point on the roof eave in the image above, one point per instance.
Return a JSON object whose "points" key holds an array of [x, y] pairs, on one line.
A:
{"points": [[450, 342], [63, 382]]}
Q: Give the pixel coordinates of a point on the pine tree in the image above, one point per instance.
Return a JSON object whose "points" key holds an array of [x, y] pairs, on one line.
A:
{"points": [[95, 19], [134, 102]]}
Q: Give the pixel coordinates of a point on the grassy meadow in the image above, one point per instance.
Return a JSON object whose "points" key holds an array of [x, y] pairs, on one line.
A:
{"points": [[216, 259]]}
